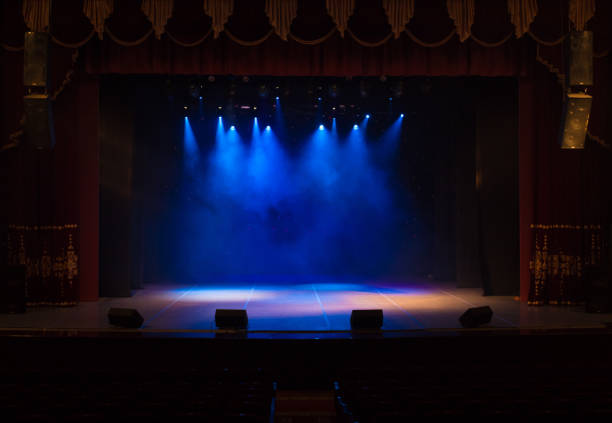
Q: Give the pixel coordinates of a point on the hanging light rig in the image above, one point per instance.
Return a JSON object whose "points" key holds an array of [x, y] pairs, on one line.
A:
{"points": [[227, 102]]}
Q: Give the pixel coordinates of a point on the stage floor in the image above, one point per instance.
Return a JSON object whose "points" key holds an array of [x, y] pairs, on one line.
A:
{"points": [[312, 309]]}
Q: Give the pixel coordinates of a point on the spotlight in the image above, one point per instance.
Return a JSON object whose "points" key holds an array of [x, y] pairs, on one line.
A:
{"points": [[254, 107], [367, 116], [219, 107], [185, 107], [277, 98], [264, 91], [232, 128], [200, 97], [268, 128], [321, 127], [402, 115], [319, 98], [355, 127]]}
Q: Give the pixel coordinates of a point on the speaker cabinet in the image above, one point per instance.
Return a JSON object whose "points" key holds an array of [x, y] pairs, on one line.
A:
{"points": [[35, 59], [476, 316], [367, 319], [231, 319], [575, 122], [580, 69], [125, 318], [39, 129]]}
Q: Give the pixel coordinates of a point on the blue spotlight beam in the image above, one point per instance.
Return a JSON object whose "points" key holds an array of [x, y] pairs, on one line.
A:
{"points": [[190, 145]]}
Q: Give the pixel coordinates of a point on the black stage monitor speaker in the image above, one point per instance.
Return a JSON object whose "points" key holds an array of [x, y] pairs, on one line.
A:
{"points": [[366, 319], [13, 291], [476, 316], [125, 317], [39, 129], [575, 120], [580, 73], [234, 319]]}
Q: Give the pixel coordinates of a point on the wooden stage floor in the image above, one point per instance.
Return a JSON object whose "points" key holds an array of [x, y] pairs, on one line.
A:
{"points": [[285, 310]]}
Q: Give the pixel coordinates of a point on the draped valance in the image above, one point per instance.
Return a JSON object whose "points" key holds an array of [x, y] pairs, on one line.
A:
{"points": [[370, 23]]}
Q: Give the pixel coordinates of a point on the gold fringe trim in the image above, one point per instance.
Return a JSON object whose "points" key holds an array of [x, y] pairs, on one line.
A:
{"points": [[431, 45], [561, 226], [487, 44], [369, 44], [248, 43], [547, 43], [193, 44], [68, 78], [599, 140], [8, 47], [129, 43], [313, 42], [551, 68], [43, 227], [73, 45]]}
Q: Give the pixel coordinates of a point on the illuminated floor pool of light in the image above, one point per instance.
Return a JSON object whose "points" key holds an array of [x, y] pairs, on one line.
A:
{"points": [[316, 305]]}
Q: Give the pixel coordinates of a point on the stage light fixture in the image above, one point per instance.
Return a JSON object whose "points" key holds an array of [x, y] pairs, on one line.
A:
{"points": [[402, 115], [390, 98], [319, 98], [219, 107], [321, 127], [367, 116], [355, 127], [277, 97], [200, 97], [185, 107], [268, 128], [232, 128]]}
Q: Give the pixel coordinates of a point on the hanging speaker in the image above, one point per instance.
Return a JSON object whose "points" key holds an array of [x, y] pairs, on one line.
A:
{"points": [[575, 121], [39, 129], [35, 59], [580, 69]]}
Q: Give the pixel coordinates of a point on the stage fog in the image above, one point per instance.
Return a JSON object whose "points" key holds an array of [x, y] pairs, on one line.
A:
{"points": [[280, 181]]}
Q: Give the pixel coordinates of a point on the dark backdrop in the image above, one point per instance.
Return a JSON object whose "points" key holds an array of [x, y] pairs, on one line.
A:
{"points": [[438, 221]]}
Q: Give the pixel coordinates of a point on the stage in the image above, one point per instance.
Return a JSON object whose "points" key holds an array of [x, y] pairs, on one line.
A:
{"points": [[305, 310]]}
